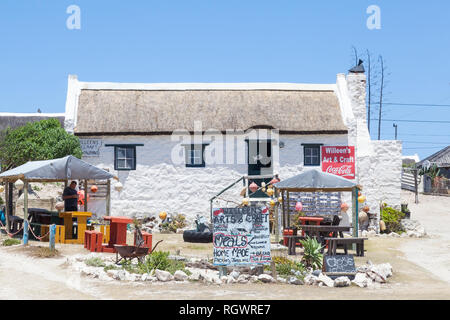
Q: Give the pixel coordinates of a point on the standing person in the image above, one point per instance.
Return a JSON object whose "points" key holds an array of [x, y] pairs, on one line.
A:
{"points": [[70, 197]]}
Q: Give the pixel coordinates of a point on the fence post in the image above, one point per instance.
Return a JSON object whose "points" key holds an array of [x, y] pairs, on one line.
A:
{"points": [[52, 237], [25, 232]]}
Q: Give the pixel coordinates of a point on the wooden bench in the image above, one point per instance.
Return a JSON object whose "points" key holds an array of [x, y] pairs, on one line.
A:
{"points": [[292, 243], [15, 223], [334, 242]]}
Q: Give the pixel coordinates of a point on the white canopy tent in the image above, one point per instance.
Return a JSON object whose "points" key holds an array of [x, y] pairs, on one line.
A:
{"points": [[56, 170]]}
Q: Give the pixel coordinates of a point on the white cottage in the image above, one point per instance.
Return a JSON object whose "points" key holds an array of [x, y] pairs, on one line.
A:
{"points": [[175, 146]]}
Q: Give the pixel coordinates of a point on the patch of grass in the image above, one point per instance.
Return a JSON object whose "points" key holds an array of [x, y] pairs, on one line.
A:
{"points": [[11, 242], [196, 247], [45, 252], [111, 267], [95, 262]]}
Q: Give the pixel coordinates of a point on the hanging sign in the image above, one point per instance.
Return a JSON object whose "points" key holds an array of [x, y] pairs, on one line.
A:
{"points": [[241, 236], [339, 161], [90, 147]]}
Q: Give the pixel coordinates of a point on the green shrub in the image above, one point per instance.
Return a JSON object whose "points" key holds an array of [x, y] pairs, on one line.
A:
{"points": [[95, 262], [312, 255], [157, 260], [391, 218], [11, 242], [284, 266]]}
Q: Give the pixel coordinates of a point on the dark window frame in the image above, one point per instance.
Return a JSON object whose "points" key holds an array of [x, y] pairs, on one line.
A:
{"points": [[188, 148], [317, 146], [124, 146]]}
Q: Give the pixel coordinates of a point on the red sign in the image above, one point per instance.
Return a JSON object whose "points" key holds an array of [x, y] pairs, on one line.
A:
{"points": [[339, 161]]}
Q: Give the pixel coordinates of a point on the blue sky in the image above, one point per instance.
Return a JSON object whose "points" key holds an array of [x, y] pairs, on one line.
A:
{"points": [[231, 41]]}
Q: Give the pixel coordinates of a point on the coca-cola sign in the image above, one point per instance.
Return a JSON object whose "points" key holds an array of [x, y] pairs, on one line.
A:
{"points": [[339, 160]]}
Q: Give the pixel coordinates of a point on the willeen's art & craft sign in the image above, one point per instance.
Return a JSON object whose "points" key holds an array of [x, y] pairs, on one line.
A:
{"points": [[339, 161], [91, 147], [241, 236]]}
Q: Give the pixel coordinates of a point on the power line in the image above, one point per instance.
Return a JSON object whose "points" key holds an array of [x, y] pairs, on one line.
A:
{"points": [[437, 147], [416, 104], [424, 121], [426, 142], [425, 135]]}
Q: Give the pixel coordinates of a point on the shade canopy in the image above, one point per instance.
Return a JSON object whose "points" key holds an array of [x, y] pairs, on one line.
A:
{"points": [[315, 179], [60, 169]]}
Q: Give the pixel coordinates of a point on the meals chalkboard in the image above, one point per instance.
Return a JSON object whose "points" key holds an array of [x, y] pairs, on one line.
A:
{"points": [[339, 264]]}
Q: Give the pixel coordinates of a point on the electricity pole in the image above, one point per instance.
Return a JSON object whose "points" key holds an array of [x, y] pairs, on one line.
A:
{"points": [[395, 126]]}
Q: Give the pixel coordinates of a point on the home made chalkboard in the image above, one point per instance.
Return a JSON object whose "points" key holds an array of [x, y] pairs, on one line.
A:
{"points": [[339, 264], [241, 236]]}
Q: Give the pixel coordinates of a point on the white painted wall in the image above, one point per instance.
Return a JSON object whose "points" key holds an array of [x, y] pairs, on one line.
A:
{"points": [[158, 184]]}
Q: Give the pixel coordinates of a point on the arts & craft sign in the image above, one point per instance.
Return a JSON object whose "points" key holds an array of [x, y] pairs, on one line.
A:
{"points": [[339, 161], [241, 236]]}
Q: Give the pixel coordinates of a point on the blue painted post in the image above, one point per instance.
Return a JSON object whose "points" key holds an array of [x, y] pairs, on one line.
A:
{"points": [[25, 232], [52, 236]]}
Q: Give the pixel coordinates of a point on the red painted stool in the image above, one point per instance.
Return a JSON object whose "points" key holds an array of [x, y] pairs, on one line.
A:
{"points": [[93, 240]]}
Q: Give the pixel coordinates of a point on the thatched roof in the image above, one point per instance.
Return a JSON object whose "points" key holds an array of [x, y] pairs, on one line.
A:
{"points": [[440, 158], [15, 120], [112, 111]]}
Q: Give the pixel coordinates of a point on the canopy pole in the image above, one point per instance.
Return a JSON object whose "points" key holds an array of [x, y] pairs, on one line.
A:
{"points": [[85, 195], [108, 197], [355, 211], [25, 212], [7, 213]]}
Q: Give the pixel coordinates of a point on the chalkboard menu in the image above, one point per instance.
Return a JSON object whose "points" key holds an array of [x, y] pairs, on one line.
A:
{"points": [[339, 264], [316, 203], [241, 236]]}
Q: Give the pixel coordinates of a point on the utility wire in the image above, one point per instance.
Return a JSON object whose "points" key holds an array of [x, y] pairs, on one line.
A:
{"points": [[425, 121], [416, 104]]}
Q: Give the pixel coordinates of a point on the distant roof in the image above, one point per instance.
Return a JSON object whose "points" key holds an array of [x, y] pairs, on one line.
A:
{"points": [[440, 158], [315, 179], [59, 169], [14, 120], [121, 108]]}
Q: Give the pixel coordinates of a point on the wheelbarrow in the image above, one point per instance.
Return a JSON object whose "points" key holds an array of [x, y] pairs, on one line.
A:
{"points": [[128, 253]]}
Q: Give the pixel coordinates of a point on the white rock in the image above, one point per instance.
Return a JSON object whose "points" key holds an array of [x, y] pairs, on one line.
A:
{"points": [[231, 279], [311, 280], [361, 280], [364, 234], [163, 276], [266, 278], [112, 273], [253, 279], [131, 277], [195, 276], [342, 282], [326, 280], [371, 233], [384, 270], [295, 280], [394, 235], [242, 278], [235, 274], [282, 280], [144, 277], [180, 275]]}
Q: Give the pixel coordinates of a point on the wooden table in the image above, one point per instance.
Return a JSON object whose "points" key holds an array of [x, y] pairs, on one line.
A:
{"points": [[313, 220], [68, 224], [117, 231], [317, 232]]}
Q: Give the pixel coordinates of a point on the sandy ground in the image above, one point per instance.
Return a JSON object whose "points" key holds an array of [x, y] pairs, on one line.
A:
{"points": [[421, 270]]}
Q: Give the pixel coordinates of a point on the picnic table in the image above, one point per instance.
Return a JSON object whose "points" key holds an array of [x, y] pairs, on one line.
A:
{"points": [[308, 221], [319, 232], [68, 225]]}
